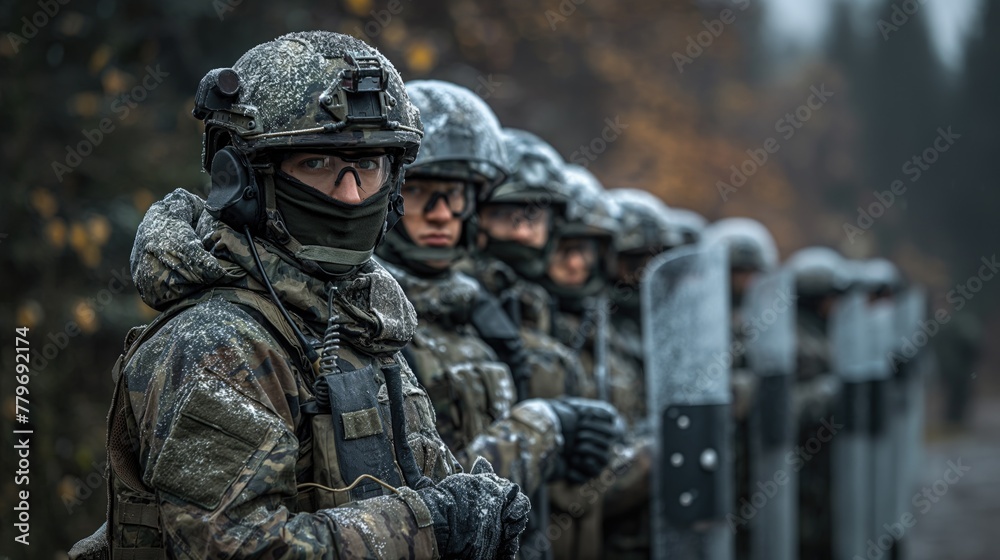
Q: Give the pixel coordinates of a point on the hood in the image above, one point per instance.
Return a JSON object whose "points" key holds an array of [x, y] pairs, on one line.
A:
{"points": [[180, 250]]}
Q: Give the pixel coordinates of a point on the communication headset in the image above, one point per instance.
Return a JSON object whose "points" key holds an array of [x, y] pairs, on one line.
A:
{"points": [[235, 197]]}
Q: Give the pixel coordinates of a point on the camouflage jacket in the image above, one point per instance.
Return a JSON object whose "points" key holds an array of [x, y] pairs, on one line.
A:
{"points": [[625, 383], [813, 346], [224, 449], [473, 393], [556, 370], [817, 386]]}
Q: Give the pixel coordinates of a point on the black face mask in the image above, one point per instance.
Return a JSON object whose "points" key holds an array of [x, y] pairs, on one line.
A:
{"points": [[335, 235], [528, 262]]}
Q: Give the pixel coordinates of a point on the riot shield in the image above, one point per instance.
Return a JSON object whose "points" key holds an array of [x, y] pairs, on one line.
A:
{"points": [[907, 364], [685, 313], [851, 468], [881, 328], [769, 330]]}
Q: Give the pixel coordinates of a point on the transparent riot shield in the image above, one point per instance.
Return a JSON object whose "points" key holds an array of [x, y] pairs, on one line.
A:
{"points": [[685, 312], [881, 326], [769, 330], [851, 468], [908, 361]]}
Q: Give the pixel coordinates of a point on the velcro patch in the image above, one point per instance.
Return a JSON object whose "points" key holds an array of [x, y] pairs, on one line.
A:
{"points": [[361, 423], [213, 438]]}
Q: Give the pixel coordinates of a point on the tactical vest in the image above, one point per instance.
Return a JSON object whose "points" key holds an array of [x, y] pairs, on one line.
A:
{"points": [[470, 389], [626, 386], [346, 433]]}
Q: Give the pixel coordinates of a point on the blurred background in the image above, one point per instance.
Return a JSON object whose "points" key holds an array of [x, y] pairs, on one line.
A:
{"points": [[866, 125]]}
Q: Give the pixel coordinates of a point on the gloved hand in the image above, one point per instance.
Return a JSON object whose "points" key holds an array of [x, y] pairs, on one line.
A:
{"points": [[477, 515], [589, 430]]}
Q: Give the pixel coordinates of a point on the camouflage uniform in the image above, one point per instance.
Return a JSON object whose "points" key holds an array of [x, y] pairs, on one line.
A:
{"points": [[213, 408], [812, 403], [577, 331], [472, 392], [625, 501], [555, 369]]}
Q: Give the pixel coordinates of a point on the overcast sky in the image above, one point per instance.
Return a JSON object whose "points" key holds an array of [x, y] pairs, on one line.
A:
{"points": [[804, 23]]}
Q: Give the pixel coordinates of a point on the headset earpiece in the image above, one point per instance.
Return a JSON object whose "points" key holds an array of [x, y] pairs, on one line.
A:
{"points": [[235, 197]]}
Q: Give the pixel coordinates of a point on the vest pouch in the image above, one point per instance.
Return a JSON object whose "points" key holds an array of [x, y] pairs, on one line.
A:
{"points": [[352, 439], [481, 394]]}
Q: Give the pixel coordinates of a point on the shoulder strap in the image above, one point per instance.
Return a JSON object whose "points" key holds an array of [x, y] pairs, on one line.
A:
{"points": [[261, 308]]}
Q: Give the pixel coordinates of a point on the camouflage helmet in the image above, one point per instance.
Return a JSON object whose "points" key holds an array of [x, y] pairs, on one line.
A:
{"points": [[313, 89], [643, 224], [463, 142], [877, 276], [750, 244], [818, 271], [462, 136], [690, 223], [589, 213], [536, 171]]}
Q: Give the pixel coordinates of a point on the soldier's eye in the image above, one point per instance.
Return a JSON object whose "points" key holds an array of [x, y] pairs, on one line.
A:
{"points": [[315, 163], [368, 164]]}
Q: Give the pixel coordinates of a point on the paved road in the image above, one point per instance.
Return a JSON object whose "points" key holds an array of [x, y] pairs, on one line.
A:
{"points": [[964, 524]]}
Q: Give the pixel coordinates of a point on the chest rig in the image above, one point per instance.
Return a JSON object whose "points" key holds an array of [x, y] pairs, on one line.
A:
{"points": [[350, 445], [468, 385]]}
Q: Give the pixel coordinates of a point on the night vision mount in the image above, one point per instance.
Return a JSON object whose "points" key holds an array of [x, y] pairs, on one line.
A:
{"points": [[358, 95]]}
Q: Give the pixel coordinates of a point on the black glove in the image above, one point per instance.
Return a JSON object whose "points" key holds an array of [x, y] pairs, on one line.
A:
{"points": [[589, 428], [477, 515]]}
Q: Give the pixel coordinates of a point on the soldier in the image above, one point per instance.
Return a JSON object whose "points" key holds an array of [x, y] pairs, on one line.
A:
{"points": [[515, 245], [691, 224], [820, 277], [268, 411], [513, 249], [579, 274], [751, 252], [535, 441], [644, 232]]}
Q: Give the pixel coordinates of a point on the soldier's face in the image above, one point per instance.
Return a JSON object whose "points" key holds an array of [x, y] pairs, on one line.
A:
{"points": [[438, 225], [631, 266], [524, 224], [573, 262], [740, 279], [350, 178]]}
